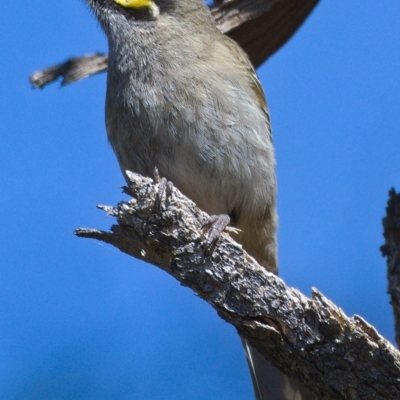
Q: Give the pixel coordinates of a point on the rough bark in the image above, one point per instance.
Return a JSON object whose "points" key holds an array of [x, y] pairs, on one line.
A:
{"points": [[71, 70], [391, 250], [261, 27], [310, 339]]}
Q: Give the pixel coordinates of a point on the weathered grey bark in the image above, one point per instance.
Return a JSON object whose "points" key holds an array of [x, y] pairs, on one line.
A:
{"points": [[391, 250], [310, 339], [261, 27], [71, 70]]}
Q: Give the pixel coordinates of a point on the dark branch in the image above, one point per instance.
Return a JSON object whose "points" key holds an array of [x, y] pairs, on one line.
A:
{"points": [[70, 71], [391, 250], [261, 27], [311, 340]]}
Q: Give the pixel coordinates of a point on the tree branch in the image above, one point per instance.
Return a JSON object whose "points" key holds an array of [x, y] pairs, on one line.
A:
{"points": [[312, 340], [71, 70], [391, 250], [261, 27]]}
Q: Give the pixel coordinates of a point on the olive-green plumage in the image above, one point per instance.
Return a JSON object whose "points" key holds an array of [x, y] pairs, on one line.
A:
{"points": [[184, 97]]}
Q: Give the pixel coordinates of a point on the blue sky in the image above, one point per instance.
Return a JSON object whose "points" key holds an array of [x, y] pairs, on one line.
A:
{"points": [[79, 319]]}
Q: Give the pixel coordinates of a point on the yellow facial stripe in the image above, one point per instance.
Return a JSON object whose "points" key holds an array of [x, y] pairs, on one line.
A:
{"points": [[135, 3]]}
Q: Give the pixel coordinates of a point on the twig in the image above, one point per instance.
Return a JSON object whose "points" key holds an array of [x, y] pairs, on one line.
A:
{"points": [[70, 71]]}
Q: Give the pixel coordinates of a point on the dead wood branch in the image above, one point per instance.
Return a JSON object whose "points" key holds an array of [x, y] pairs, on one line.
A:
{"points": [[261, 27], [391, 250], [310, 339], [71, 70]]}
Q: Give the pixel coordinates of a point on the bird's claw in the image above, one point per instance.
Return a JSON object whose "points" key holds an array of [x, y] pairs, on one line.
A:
{"points": [[164, 187], [214, 226]]}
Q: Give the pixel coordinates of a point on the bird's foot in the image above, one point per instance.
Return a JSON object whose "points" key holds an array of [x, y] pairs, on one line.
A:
{"points": [[164, 187], [214, 226]]}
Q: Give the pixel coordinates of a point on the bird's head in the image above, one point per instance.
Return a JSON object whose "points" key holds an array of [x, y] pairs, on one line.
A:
{"points": [[120, 15]]}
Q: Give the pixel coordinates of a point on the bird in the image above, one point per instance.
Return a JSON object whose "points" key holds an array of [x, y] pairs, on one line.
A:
{"points": [[184, 97]]}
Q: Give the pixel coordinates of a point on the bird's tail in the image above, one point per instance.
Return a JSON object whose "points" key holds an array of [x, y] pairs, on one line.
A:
{"points": [[269, 383]]}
